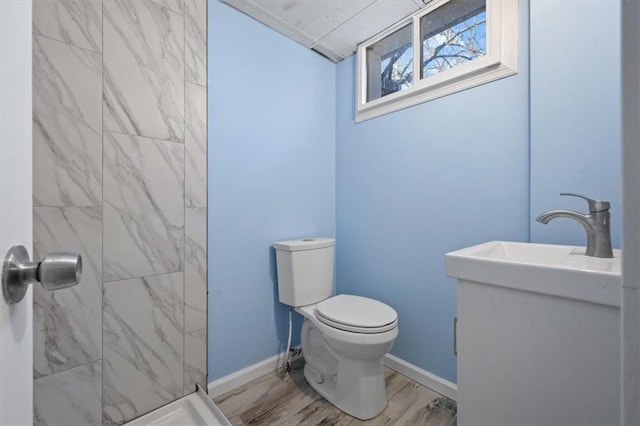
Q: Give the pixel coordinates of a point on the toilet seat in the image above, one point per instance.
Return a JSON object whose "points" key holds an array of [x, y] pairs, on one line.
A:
{"points": [[356, 314]]}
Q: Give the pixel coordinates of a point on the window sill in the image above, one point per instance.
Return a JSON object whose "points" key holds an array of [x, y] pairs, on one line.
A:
{"points": [[420, 94]]}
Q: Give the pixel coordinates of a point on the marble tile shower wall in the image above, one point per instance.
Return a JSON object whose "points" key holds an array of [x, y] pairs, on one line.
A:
{"points": [[119, 128]]}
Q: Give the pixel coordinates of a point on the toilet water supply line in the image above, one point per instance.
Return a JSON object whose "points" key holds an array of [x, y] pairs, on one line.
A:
{"points": [[287, 363]]}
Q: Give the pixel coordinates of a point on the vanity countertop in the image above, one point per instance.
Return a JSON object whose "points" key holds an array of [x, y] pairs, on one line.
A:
{"points": [[556, 270]]}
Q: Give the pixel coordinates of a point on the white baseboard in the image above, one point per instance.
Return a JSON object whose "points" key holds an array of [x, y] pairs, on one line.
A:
{"points": [[425, 378], [252, 372], [244, 376]]}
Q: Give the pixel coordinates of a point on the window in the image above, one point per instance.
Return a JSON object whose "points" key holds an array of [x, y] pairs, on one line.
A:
{"points": [[460, 44], [390, 64]]}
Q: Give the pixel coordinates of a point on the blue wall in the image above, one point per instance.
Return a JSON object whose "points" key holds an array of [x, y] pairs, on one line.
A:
{"points": [[411, 185], [575, 113], [415, 184], [271, 177]]}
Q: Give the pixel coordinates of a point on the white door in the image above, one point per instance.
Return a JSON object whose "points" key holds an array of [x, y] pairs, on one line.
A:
{"points": [[16, 346], [631, 214]]}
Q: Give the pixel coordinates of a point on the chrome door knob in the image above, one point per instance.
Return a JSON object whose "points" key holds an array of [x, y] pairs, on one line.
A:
{"points": [[55, 271], [59, 270]]}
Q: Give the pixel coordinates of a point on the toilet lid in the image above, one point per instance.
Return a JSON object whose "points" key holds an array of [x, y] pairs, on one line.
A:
{"points": [[357, 314]]}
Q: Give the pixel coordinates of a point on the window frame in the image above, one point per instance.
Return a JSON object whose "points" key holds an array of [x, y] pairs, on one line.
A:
{"points": [[500, 60]]}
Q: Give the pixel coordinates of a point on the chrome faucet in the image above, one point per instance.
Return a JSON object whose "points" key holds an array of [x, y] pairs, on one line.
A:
{"points": [[596, 223]]}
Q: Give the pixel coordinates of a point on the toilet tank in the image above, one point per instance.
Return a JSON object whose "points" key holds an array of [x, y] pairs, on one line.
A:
{"points": [[305, 270]]}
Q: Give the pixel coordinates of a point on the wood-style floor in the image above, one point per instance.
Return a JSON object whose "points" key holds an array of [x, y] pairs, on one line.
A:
{"points": [[277, 399]]}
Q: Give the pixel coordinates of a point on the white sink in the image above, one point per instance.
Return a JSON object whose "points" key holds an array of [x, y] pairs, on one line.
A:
{"points": [[556, 270], [538, 325]]}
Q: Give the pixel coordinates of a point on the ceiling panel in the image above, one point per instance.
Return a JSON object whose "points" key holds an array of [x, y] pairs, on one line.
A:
{"points": [[332, 27], [315, 17], [380, 15], [271, 20]]}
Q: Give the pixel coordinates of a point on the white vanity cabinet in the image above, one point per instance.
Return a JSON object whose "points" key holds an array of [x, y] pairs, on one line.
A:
{"points": [[538, 335]]}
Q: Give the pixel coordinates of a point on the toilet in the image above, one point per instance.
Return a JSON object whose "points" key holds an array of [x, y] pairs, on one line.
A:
{"points": [[344, 337]]}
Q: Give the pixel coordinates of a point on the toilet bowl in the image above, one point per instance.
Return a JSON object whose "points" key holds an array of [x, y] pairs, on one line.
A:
{"points": [[347, 367], [344, 337]]}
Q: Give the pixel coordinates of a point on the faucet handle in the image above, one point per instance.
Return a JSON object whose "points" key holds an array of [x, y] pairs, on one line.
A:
{"points": [[594, 205]]}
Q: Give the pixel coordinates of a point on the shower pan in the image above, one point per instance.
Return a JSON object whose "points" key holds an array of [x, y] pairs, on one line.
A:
{"points": [[192, 410]]}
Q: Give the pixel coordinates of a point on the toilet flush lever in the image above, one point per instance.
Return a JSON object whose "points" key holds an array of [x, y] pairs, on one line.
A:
{"points": [[55, 271]]}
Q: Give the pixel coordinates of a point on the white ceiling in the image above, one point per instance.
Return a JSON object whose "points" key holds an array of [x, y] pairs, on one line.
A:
{"points": [[331, 27]]}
